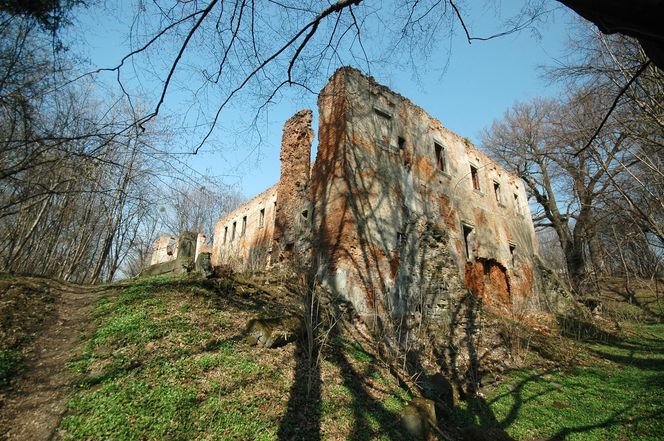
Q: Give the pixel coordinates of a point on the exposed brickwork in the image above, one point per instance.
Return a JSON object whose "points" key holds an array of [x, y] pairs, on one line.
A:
{"points": [[379, 190], [398, 225], [293, 211], [488, 280]]}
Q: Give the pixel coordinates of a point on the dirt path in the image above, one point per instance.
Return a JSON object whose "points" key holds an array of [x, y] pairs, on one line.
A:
{"points": [[36, 402]]}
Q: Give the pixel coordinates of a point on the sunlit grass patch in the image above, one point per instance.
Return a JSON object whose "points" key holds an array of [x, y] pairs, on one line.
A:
{"points": [[150, 371], [167, 360], [618, 397], [131, 407]]}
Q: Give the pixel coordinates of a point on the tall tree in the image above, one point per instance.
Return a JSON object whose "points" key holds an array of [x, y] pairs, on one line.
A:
{"points": [[605, 65], [541, 142]]}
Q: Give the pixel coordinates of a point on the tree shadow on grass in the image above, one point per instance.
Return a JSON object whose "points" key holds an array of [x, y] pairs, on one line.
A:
{"points": [[612, 420], [629, 296], [642, 363], [369, 417], [365, 407], [302, 420]]}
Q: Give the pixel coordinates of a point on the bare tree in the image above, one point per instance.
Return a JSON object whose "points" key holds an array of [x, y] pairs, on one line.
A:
{"points": [[69, 175], [540, 142], [196, 207], [228, 52], [586, 166], [78, 185], [607, 63]]}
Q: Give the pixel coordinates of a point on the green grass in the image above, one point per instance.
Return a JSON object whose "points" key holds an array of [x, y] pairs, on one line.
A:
{"points": [[167, 361], [8, 362], [618, 397], [148, 371]]}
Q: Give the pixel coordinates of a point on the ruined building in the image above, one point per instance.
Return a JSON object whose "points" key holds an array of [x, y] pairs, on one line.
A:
{"points": [[397, 214], [184, 253]]}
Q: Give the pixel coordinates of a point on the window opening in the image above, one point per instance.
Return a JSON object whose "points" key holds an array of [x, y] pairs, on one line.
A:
{"points": [[261, 218], [496, 190], [517, 203], [382, 114], [225, 233], [305, 214], [244, 225], [170, 246], [440, 156], [475, 178], [467, 231], [401, 142], [383, 126], [233, 231], [513, 254], [401, 240]]}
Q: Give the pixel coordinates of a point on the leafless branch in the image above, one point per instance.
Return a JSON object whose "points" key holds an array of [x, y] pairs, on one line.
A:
{"points": [[643, 67]]}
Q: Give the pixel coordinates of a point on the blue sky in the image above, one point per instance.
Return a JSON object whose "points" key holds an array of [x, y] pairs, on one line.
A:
{"points": [[480, 82]]}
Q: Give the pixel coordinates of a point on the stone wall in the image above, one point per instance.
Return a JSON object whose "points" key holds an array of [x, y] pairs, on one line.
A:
{"points": [[202, 246], [274, 226], [409, 214], [243, 238], [293, 211], [398, 215], [174, 254], [164, 249]]}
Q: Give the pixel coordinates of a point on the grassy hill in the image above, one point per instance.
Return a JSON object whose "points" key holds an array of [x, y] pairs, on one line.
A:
{"points": [[166, 358]]}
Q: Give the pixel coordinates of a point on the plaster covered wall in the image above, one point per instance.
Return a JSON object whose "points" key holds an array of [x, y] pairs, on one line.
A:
{"points": [[398, 214], [402, 222], [202, 246], [164, 249], [176, 254]]}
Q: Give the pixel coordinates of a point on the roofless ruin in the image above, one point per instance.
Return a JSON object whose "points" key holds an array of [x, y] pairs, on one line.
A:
{"points": [[397, 214]]}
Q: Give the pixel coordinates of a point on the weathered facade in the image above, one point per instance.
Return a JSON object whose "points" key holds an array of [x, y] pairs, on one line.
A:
{"points": [[275, 225], [397, 213]]}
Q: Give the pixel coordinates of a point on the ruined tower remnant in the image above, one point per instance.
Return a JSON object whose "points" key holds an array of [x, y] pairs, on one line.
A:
{"points": [[291, 223], [399, 214], [164, 249], [274, 226], [176, 254]]}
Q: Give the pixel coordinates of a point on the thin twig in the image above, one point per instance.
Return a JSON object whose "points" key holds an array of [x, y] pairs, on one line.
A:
{"points": [[613, 106], [517, 27], [465, 29], [336, 7]]}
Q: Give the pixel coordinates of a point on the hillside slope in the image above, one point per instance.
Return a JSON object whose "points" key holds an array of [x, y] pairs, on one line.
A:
{"points": [[41, 321], [166, 358]]}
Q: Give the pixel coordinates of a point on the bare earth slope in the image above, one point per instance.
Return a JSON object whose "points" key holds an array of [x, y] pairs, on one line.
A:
{"points": [[43, 320]]}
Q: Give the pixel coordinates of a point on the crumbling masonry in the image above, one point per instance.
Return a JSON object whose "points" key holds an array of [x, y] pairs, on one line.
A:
{"points": [[397, 214]]}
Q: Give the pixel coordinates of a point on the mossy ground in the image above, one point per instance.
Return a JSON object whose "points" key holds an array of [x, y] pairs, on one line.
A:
{"points": [[8, 361]]}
